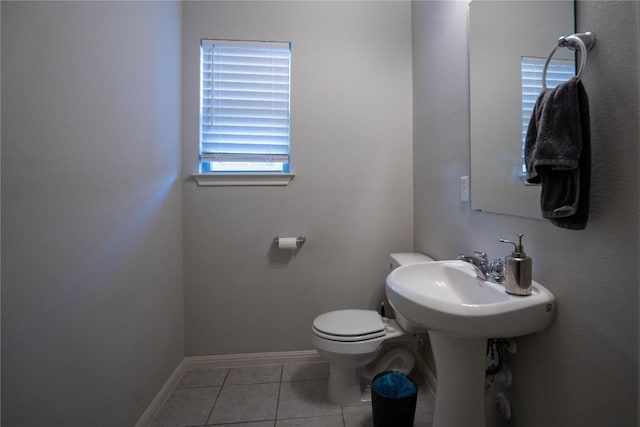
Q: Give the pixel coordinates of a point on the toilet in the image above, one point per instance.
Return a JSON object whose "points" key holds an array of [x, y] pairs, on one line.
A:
{"points": [[358, 344]]}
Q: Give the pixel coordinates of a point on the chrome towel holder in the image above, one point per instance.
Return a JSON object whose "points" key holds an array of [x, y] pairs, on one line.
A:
{"points": [[580, 41]]}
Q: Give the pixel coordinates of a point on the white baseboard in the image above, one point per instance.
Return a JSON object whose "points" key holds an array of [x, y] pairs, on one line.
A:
{"points": [[155, 405], [222, 361], [427, 374]]}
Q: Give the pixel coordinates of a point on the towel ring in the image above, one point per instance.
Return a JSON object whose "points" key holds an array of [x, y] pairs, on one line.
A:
{"points": [[581, 41]]}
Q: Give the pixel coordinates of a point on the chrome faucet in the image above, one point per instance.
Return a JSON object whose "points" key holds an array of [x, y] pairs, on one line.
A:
{"points": [[485, 270]]}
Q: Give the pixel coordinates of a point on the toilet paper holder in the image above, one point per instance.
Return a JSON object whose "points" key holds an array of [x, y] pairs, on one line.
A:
{"points": [[299, 240]]}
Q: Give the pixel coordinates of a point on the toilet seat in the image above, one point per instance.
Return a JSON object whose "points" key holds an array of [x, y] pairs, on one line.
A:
{"points": [[349, 325]]}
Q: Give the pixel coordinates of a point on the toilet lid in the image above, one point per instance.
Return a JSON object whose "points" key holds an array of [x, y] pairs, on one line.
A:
{"points": [[349, 325]]}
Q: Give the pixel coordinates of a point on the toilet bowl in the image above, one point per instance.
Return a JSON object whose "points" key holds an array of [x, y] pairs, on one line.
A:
{"points": [[358, 344]]}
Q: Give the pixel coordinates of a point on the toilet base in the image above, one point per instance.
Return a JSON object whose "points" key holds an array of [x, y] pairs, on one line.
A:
{"points": [[350, 386], [344, 385]]}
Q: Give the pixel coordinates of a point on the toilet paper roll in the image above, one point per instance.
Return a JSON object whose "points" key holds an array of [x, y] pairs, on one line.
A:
{"points": [[287, 243]]}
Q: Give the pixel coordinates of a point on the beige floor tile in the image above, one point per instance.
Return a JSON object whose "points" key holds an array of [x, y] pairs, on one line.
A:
{"points": [[203, 377], [295, 394], [325, 421], [187, 407], [245, 402], [305, 371], [252, 424], [255, 374], [304, 399]]}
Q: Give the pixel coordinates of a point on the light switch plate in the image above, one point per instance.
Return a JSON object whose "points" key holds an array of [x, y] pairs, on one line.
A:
{"points": [[464, 188]]}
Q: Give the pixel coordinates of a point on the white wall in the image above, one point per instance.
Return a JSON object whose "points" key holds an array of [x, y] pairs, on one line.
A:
{"points": [[352, 194], [584, 369], [92, 310]]}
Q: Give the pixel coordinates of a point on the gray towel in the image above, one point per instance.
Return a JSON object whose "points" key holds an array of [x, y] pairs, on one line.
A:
{"points": [[558, 154]]}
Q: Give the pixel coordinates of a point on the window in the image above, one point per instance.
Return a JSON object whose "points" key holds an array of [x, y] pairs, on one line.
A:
{"points": [[244, 106], [558, 71]]}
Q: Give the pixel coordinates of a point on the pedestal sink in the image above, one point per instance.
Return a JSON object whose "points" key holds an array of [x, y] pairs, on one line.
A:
{"points": [[460, 312]]}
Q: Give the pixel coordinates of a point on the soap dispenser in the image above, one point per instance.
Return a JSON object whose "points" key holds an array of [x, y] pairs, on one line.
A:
{"points": [[517, 270]]}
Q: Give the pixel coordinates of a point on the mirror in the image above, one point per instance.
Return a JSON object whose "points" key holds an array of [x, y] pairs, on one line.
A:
{"points": [[502, 36]]}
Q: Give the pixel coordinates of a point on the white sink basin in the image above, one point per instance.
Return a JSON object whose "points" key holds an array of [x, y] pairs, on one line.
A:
{"points": [[460, 312], [446, 296]]}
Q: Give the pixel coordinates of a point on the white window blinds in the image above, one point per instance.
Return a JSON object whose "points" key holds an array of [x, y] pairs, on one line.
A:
{"points": [[244, 106], [558, 71]]}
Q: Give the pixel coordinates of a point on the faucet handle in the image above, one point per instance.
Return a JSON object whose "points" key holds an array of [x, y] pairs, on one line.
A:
{"points": [[481, 255], [496, 270]]}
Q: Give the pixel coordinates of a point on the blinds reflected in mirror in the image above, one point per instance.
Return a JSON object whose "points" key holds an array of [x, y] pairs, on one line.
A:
{"points": [[559, 71]]}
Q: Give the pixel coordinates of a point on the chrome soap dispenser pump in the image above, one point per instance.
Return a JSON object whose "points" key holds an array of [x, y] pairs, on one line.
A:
{"points": [[517, 270]]}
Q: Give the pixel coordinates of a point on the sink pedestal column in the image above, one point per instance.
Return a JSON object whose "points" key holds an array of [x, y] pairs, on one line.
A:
{"points": [[460, 371]]}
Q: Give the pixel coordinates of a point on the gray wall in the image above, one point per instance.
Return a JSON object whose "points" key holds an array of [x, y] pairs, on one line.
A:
{"points": [[352, 194], [92, 310], [583, 370]]}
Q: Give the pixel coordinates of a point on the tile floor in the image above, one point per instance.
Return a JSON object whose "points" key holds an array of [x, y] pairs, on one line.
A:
{"points": [[289, 395]]}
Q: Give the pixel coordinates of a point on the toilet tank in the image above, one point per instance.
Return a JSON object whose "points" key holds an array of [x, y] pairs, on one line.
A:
{"points": [[405, 258]]}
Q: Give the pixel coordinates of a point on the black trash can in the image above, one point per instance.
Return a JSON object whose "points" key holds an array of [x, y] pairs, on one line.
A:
{"points": [[395, 406]]}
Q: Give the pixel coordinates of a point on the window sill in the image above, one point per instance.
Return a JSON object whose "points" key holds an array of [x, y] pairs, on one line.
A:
{"points": [[244, 179]]}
